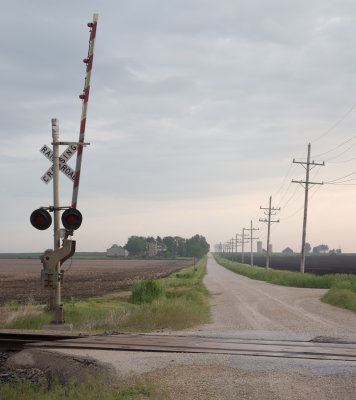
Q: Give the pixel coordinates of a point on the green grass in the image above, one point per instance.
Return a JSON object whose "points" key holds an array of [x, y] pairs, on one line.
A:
{"points": [[176, 302], [342, 287], [91, 389], [147, 291]]}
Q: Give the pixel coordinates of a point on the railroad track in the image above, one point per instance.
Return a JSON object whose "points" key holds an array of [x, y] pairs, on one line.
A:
{"points": [[18, 341], [181, 344]]}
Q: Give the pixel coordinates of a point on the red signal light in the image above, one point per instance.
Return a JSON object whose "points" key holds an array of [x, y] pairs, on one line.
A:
{"points": [[90, 24], [82, 96], [86, 60], [41, 219], [72, 219]]}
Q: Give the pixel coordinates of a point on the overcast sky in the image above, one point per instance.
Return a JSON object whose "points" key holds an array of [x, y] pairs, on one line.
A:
{"points": [[197, 109]]}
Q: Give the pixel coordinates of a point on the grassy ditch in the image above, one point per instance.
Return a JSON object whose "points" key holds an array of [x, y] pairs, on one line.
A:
{"points": [[342, 287], [176, 302]]}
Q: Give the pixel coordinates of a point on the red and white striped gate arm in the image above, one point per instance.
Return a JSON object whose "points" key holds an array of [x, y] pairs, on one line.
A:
{"points": [[85, 98]]}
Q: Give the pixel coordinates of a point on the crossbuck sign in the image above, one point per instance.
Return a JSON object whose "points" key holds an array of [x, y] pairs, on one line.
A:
{"points": [[63, 158]]}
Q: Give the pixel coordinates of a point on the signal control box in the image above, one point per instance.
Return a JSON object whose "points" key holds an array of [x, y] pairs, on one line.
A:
{"points": [[50, 276]]}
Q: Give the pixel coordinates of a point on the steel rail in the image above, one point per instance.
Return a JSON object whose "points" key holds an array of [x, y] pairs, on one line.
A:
{"points": [[181, 344], [173, 344], [18, 341]]}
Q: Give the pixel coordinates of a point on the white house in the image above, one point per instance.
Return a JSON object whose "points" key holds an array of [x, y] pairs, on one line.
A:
{"points": [[117, 251]]}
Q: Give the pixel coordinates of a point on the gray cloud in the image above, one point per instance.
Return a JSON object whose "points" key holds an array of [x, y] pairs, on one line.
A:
{"points": [[189, 99]]}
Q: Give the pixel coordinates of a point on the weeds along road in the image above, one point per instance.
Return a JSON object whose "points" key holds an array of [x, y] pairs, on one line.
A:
{"points": [[265, 310]]}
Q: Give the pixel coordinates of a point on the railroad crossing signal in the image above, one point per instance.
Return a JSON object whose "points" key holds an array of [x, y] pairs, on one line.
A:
{"points": [[41, 219], [72, 219], [63, 158], [52, 275]]}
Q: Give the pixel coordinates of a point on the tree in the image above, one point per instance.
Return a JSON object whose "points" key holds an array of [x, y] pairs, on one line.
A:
{"points": [[322, 248], [136, 245], [307, 248], [197, 246], [194, 250], [181, 246], [171, 244]]}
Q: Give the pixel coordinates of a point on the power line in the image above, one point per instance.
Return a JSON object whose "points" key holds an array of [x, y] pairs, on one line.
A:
{"points": [[293, 196], [337, 123], [342, 177], [335, 148], [301, 208], [285, 193], [343, 152], [290, 198], [343, 184], [342, 162], [284, 179]]}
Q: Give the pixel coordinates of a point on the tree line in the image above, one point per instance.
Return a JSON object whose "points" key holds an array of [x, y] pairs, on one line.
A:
{"points": [[169, 246], [321, 249]]}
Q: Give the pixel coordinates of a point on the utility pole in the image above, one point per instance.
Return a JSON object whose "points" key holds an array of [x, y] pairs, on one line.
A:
{"points": [[308, 166], [271, 211], [236, 243], [251, 229], [243, 245]]}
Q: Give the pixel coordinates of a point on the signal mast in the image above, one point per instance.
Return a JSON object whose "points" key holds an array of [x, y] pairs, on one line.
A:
{"points": [[51, 274]]}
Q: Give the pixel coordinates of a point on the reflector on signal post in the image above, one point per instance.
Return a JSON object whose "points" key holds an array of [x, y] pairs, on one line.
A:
{"points": [[72, 219], [41, 219]]}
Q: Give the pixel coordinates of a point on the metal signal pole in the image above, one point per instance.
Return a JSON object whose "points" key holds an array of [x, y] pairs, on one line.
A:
{"points": [[271, 211], [308, 166], [58, 317]]}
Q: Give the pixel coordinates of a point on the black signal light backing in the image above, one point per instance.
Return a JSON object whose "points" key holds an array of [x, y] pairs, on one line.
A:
{"points": [[41, 219], [72, 219]]}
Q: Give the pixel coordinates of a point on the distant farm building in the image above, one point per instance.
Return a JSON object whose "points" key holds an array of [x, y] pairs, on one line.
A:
{"points": [[116, 251], [262, 250], [152, 248], [287, 250]]}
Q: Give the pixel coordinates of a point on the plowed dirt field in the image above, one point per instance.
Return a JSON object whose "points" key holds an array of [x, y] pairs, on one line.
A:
{"points": [[20, 279]]}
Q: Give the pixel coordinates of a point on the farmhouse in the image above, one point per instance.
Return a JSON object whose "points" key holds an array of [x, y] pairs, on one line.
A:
{"points": [[116, 251], [287, 250]]}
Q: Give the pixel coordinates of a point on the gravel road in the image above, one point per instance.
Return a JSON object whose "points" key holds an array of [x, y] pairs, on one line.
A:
{"points": [[244, 308], [261, 309]]}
